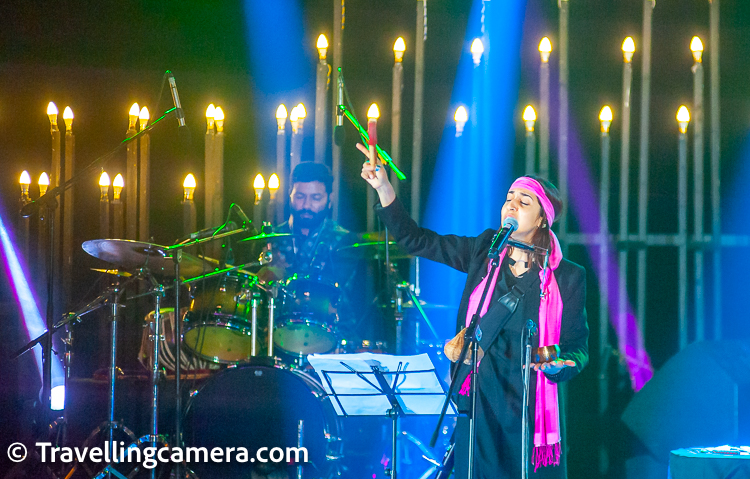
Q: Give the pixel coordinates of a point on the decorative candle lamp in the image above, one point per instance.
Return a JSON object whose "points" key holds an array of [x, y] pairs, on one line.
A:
{"points": [[210, 113], [43, 183], [104, 186], [281, 116], [399, 47], [52, 114], [477, 49], [529, 117], [605, 118], [117, 185], [683, 118], [628, 49], [258, 184], [25, 182], [188, 187], [461, 117], [68, 118], [273, 185], [143, 118], [696, 46], [133, 114], [322, 46], [219, 119], [545, 49]]}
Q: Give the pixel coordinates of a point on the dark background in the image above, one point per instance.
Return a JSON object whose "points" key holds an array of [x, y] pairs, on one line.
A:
{"points": [[100, 57]]}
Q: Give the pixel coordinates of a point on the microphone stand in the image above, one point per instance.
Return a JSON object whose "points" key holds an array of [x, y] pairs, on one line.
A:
{"points": [[177, 258], [49, 202], [472, 336], [530, 331]]}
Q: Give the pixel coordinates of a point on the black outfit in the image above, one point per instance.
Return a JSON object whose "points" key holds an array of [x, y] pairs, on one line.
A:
{"points": [[315, 254], [498, 424]]}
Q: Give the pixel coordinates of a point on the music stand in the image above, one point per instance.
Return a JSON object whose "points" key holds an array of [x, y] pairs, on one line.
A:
{"points": [[358, 386]]}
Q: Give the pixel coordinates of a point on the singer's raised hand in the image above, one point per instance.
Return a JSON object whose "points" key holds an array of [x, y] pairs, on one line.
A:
{"points": [[377, 177]]}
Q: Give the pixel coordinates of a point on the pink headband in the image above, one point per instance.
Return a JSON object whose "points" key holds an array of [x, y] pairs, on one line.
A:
{"points": [[535, 187]]}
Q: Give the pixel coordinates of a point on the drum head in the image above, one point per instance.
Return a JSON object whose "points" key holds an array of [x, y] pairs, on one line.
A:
{"points": [[255, 407], [219, 339]]}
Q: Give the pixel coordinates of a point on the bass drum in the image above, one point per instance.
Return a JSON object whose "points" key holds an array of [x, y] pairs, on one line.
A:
{"points": [[260, 407]]}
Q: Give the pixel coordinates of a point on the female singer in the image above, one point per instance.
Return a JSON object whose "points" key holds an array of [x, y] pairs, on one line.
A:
{"points": [[554, 296]]}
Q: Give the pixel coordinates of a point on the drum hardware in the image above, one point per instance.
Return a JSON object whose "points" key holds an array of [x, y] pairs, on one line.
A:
{"points": [[308, 318], [135, 254], [289, 406], [265, 237], [217, 325]]}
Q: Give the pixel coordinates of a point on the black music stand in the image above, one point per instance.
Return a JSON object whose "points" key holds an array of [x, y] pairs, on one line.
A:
{"points": [[357, 386]]}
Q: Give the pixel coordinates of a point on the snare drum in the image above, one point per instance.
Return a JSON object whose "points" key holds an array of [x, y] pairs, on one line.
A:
{"points": [[308, 316], [218, 325], [262, 407]]}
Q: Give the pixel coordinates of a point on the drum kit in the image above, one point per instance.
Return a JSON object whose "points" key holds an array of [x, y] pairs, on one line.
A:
{"points": [[250, 339]]}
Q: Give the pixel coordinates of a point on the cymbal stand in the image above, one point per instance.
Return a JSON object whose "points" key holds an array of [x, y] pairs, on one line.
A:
{"points": [[154, 438], [116, 314]]}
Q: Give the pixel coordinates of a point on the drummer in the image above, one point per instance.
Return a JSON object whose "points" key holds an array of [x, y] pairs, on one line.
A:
{"points": [[315, 236]]}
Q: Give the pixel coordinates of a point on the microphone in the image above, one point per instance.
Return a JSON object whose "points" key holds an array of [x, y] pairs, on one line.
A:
{"points": [[340, 100], [531, 328], [246, 223], [502, 236], [207, 232], [176, 99], [339, 132]]}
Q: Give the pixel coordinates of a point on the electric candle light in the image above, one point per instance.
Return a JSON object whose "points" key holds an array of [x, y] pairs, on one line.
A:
{"points": [[461, 117], [68, 118], [477, 48], [322, 46], [25, 182], [52, 114], [281, 115], [258, 184], [628, 49], [117, 185], [273, 185], [605, 117], [118, 218], [373, 113], [188, 205], [529, 117], [188, 187], [143, 118], [210, 113], [43, 183], [545, 48], [301, 114], [399, 47], [104, 205], [683, 118], [219, 118], [104, 186], [24, 224], [133, 114], [696, 46], [294, 118]]}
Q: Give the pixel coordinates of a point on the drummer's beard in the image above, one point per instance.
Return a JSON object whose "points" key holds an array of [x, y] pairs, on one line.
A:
{"points": [[309, 220]]}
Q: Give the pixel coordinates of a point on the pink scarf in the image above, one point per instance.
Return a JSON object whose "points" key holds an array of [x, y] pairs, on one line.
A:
{"points": [[547, 448]]}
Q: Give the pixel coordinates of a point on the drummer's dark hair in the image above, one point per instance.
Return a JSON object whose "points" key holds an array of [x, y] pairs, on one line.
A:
{"points": [[308, 171]]}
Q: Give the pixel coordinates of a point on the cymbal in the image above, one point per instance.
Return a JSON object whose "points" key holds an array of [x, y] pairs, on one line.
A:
{"points": [[372, 250], [265, 237], [128, 254], [114, 272]]}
